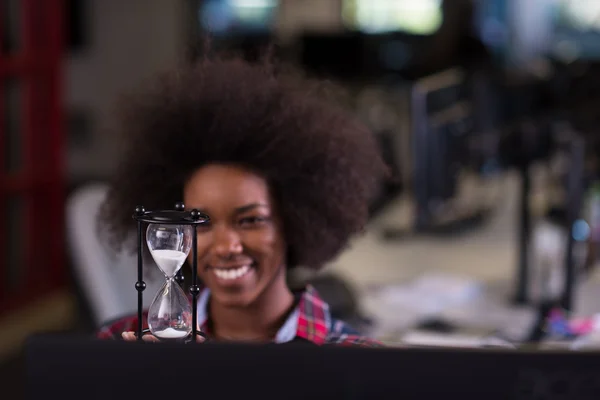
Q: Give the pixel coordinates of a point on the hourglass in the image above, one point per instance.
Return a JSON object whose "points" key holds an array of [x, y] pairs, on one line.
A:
{"points": [[170, 314], [169, 236]]}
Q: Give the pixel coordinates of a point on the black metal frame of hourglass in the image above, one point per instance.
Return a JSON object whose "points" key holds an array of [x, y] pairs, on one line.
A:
{"points": [[168, 217]]}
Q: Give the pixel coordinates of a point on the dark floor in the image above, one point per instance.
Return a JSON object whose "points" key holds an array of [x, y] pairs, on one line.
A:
{"points": [[12, 378]]}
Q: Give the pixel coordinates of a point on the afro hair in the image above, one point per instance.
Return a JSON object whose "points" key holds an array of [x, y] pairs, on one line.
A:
{"points": [[322, 164]]}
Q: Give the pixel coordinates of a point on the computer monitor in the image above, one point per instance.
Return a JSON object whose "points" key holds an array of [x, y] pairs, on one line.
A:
{"points": [[76, 368], [442, 127]]}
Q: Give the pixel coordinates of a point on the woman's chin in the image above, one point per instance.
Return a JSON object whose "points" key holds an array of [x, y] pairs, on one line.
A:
{"points": [[233, 300]]}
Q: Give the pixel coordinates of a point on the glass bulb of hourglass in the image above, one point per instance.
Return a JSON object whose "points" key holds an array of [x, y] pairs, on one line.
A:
{"points": [[170, 314]]}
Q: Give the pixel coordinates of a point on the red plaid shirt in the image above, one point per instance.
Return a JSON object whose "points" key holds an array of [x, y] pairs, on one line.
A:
{"points": [[314, 324]]}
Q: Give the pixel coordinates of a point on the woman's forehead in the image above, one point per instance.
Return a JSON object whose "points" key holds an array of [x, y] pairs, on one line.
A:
{"points": [[225, 185]]}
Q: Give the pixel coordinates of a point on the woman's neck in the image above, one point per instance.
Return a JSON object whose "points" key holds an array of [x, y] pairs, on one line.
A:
{"points": [[258, 322]]}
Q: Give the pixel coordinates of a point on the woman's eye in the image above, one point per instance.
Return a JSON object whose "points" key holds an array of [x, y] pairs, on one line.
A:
{"points": [[252, 221]]}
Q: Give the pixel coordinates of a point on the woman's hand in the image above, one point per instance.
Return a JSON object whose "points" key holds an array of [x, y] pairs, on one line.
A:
{"points": [[148, 337]]}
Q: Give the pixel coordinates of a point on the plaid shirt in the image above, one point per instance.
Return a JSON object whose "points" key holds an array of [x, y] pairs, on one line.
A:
{"points": [[311, 319]]}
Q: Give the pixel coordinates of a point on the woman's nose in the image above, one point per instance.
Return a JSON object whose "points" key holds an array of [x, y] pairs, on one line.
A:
{"points": [[226, 242]]}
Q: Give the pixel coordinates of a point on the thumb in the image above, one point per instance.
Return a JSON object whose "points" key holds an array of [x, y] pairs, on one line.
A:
{"points": [[150, 338], [200, 338]]}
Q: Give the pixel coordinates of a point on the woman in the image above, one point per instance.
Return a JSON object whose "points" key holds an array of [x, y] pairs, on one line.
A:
{"points": [[285, 176]]}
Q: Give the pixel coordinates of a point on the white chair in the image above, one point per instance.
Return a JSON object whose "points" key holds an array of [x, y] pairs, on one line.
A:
{"points": [[106, 278]]}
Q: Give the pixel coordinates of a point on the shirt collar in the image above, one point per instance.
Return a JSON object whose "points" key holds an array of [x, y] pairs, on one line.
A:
{"points": [[310, 320]]}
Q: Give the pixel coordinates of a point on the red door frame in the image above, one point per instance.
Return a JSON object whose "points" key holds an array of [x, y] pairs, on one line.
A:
{"points": [[37, 65]]}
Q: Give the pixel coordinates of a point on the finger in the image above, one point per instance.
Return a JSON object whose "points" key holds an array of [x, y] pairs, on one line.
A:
{"points": [[150, 339], [128, 336], [200, 339]]}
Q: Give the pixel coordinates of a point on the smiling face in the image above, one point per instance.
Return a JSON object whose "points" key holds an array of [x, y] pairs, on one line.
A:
{"points": [[241, 251]]}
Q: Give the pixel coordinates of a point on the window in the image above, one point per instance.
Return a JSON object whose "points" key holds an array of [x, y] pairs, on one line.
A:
{"points": [[418, 17], [237, 16]]}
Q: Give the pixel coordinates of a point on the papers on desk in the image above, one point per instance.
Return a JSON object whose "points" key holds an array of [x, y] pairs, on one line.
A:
{"points": [[587, 342], [460, 340], [427, 295], [512, 323], [398, 308], [463, 303]]}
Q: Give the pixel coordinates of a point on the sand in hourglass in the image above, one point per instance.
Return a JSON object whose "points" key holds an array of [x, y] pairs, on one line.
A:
{"points": [[171, 333], [169, 261]]}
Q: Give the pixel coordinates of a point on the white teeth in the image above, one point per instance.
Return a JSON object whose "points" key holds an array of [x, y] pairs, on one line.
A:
{"points": [[232, 273]]}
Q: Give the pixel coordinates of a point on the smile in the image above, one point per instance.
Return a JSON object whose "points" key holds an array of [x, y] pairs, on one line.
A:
{"points": [[231, 273]]}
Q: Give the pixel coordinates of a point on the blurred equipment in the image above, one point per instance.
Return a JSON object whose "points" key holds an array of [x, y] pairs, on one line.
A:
{"points": [[447, 149], [442, 122]]}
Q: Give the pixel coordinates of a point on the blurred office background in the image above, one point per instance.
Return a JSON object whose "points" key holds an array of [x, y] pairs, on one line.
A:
{"points": [[486, 110]]}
